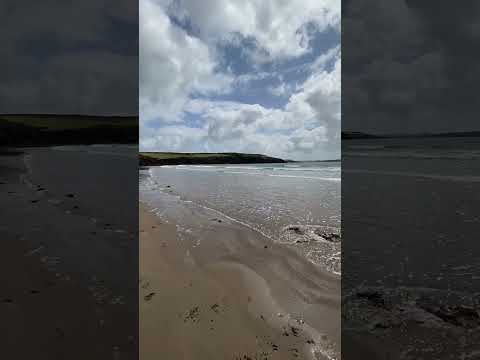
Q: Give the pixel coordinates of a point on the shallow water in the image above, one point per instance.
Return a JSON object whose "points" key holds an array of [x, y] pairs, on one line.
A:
{"points": [[269, 198]]}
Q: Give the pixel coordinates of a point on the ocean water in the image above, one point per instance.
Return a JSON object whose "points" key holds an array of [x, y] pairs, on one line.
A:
{"points": [[411, 259], [406, 199], [291, 203]]}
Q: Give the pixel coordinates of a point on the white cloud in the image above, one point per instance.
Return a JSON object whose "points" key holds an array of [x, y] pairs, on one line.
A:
{"points": [[281, 90], [307, 127], [173, 65], [324, 59], [179, 72], [320, 97], [246, 78], [172, 138], [280, 28]]}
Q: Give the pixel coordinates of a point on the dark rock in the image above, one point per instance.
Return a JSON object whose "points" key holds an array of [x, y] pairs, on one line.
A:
{"points": [[328, 235], [297, 230]]}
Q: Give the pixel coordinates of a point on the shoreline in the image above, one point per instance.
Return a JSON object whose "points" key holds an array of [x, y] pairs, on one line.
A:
{"points": [[269, 300]]}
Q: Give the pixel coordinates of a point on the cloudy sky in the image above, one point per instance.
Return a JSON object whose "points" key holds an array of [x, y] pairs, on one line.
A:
{"points": [[64, 57], [410, 66], [259, 76]]}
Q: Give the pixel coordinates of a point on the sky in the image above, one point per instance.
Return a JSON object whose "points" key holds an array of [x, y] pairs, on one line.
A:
{"points": [[256, 76], [64, 57], [410, 66]]}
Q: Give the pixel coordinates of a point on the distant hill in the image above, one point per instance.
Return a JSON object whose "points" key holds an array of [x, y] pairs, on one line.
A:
{"points": [[452, 134], [329, 160], [171, 158], [350, 135], [48, 130]]}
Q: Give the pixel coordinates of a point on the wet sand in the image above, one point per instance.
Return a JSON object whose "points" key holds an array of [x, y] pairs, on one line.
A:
{"points": [[65, 292], [235, 296]]}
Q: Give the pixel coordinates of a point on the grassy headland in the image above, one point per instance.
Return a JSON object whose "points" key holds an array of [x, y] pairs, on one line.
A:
{"points": [[172, 158], [355, 135], [48, 130]]}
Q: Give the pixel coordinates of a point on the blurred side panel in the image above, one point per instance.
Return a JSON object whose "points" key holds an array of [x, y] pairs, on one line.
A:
{"points": [[410, 180], [69, 179]]}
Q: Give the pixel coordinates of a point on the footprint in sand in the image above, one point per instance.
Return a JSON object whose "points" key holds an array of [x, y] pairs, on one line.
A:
{"points": [[193, 315], [149, 296], [295, 331], [294, 352], [215, 308]]}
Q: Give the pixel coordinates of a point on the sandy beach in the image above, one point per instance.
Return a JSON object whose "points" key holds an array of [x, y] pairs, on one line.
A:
{"points": [[238, 296], [69, 291]]}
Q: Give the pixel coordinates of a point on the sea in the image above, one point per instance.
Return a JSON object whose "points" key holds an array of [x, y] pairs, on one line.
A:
{"points": [[405, 200], [411, 259], [293, 203]]}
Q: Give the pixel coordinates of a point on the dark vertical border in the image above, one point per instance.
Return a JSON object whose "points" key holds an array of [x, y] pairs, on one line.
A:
{"points": [[69, 179], [410, 165]]}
